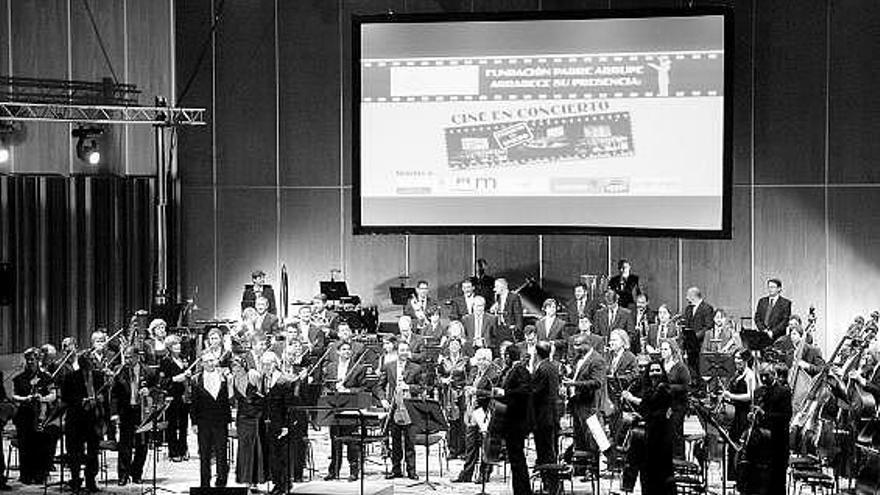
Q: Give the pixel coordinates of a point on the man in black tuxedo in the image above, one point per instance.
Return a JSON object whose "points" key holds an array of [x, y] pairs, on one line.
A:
{"points": [[257, 289], [482, 329], [463, 304], [550, 326], [545, 398], [516, 393], [341, 374], [587, 380], [625, 285], [699, 317], [509, 309], [484, 284], [265, 322], [581, 306], [414, 342], [399, 380], [644, 314], [613, 316], [130, 387], [211, 416], [773, 311], [420, 303], [82, 430]]}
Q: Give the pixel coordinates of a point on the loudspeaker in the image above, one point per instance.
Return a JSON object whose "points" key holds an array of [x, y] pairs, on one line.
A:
{"points": [[239, 490], [7, 284]]}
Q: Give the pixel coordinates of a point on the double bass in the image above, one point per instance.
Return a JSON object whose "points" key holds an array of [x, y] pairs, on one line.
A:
{"points": [[799, 381]]}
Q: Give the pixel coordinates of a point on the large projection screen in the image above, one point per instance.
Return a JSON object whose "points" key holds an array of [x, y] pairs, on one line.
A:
{"points": [[617, 124]]}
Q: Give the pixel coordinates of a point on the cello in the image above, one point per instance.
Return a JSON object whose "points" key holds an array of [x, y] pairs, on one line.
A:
{"points": [[799, 381]]}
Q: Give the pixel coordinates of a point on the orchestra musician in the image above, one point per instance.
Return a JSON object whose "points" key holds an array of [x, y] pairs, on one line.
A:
{"points": [[665, 328], [868, 374], [587, 381], [342, 373], [249, 460], [508, 308], [483, 283], [644, 314], [420, 304], [284, 434], [128, 395], [344, 335], [550, 327], [655, 468], [436, 328], [515, 392], [484, 376], [321, 316], [452, 367], [811, 357], [258, 288], [464, 304], [580, 306], [158, 330], [774, 311], [622, 371], [626, 285], [612, 316], [699, 318], [398, 381], [773, 410], [482, 329], [740, 392], [679, 379], [527, 347], [173, 371], [720, 338], [456, 331], [414, 342], [32, 390], [545, 398], [211, 415], [265, 322], [216, 348], [389, 352], [585, 330], [296, 364], [83, 420]]}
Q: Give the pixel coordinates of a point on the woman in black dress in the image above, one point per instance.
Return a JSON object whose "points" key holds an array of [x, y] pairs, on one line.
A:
{"points": [[679, 378], [740, 393], [249, 463], [655, 406], [173, 370]]}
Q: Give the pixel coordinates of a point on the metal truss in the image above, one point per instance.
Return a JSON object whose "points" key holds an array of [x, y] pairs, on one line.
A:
{"points": [[100, 114]]}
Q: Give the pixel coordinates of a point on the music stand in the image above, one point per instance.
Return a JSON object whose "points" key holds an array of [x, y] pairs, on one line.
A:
{"points": [[335, 402], [427, 418], [333, 290], [401, 295], [152, 425], [755, 340]]}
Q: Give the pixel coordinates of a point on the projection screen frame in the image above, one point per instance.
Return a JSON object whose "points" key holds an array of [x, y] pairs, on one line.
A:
{"points": [[359, 20]]}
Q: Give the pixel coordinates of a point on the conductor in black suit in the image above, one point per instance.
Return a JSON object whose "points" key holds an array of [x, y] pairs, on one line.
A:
{"points": [[545, 399], [773, 311], [625, 284], [699, 317], [258, 288]]}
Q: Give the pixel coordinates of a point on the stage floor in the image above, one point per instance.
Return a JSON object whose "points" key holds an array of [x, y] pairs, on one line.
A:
{"points": [[179, 477]]}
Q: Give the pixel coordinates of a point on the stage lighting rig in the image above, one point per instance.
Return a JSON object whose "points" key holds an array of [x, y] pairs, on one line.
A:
{"points": [[11, 134], [88, 146]]}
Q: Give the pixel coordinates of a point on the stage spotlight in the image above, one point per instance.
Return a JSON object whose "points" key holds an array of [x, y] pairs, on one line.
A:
{"points": [[88, 148], [11, 133]]}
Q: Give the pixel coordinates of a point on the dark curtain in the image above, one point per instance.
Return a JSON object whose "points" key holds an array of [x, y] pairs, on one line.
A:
{"points": [[81, 249]]}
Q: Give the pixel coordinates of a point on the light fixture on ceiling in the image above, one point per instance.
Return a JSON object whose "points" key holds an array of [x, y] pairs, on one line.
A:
{"points": [[88, 146]]}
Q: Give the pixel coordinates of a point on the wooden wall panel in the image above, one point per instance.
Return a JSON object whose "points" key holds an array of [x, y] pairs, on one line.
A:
{"points": [[149, 66], [371, 263], [310, 238], [722, 268], [853, 265], [194, 87], [511, 256], [790, 245], [246, 241], [443, 260], [655, 261], [789, 92], [567, 257], [88, 64], [308, 89], [199, 253], [245, 94], [854, 149], [47, 149]]}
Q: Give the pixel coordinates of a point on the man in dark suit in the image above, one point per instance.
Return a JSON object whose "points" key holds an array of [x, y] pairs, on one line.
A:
{"points": [[545, 399], [664, 329], [482, 328], [585, 330], [257, 289], [810, 360], [625, 285], [550, 326], [463, 304], [435, 330], [580, 306], [773, 310], [516, 393], [344, 336], [265, 322], [129, 389], [613, 316], [320, 315], [399, 380], [699, 317], [478, 392], [644, 314], [484, 284], [414, 341], [82, 427], [211, 416], [341, 374], [509, 309], [587, 381], [421, 303]]}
